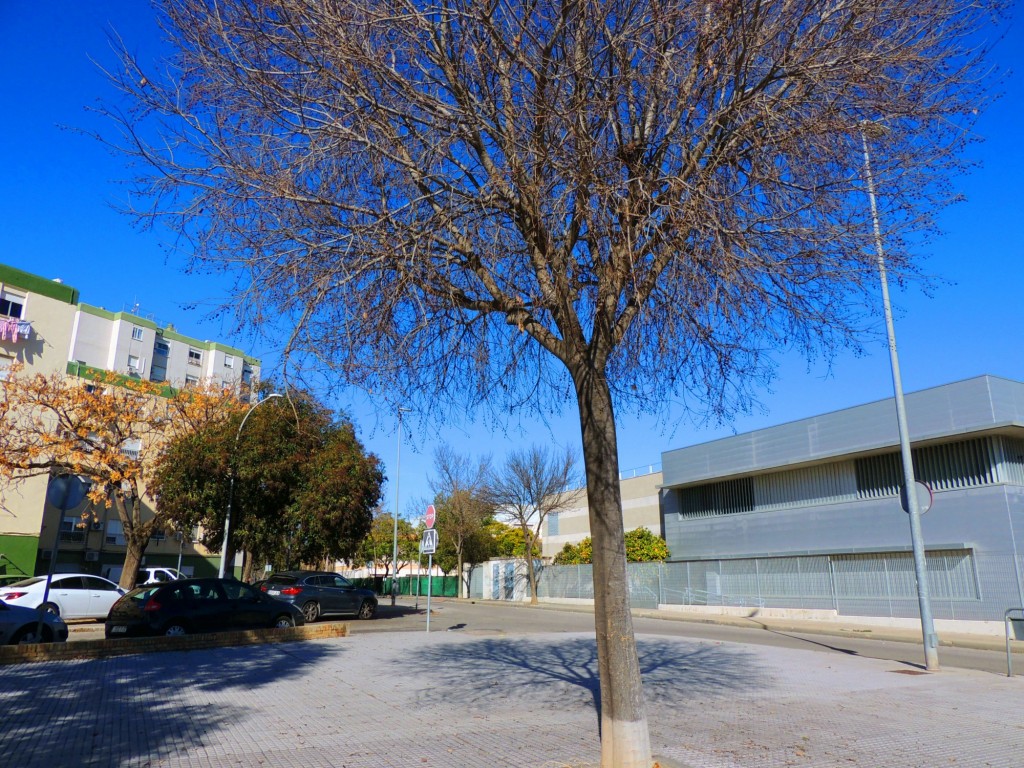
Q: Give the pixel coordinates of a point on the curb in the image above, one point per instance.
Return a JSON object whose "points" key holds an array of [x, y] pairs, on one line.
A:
{"points": [[844, 629], [101, 649]]}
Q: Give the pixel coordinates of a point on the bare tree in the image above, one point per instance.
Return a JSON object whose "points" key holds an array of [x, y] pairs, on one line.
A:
{"points": [[531, 485], [605, 202], [460, 490]]}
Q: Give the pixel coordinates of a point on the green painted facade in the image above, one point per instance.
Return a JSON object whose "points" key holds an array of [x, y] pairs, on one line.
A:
{"points": [[18, 554]]}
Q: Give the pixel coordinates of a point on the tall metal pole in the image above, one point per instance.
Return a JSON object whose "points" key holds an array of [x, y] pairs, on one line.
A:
{"points": [[931, 640], [398, 475], [231, 484]]}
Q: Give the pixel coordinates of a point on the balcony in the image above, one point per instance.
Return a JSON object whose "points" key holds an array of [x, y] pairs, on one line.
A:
{"points": [[14, 328]]}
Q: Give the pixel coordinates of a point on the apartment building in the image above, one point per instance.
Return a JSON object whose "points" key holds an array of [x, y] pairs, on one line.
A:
{"points": [[45, 327]]}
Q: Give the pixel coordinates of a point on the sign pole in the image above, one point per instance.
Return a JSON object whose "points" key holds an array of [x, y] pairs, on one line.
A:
{"points": [[430, 585], [428, 545]]}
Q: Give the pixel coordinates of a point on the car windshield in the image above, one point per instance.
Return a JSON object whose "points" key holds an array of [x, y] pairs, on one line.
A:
{"points": [[281, 578]]}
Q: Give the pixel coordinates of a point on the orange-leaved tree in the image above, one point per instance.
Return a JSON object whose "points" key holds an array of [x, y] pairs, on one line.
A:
{"points": [[109, 430]]}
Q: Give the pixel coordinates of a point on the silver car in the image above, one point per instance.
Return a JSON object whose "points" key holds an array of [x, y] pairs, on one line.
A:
{"points": [[20, 626]]}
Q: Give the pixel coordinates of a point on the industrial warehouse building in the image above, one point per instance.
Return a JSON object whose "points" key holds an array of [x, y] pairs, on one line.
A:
{"points": [[807, 515]]}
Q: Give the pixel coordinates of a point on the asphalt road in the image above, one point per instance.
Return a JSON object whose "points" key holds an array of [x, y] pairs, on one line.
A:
{"points": [[471, 617]]}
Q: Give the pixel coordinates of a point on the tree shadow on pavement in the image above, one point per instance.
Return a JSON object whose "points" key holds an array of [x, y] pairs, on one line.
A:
{"points": [[136, 710], [562, 675]]}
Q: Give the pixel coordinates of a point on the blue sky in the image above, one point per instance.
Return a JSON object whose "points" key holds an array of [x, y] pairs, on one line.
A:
{"points": [[57, 218]]}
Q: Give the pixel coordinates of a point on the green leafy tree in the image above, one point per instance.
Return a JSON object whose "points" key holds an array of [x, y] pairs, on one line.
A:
{"points": [[642, 546], [509, 540], [377, 547], [576, 554], [304, 487]]}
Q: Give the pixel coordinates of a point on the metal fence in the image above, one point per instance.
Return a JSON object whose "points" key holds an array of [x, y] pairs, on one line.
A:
{"points": [[963, 584]]}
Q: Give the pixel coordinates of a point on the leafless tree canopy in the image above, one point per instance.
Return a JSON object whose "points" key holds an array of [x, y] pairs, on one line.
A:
{"points": [[485, 200], [531, 485], [659, 190]]}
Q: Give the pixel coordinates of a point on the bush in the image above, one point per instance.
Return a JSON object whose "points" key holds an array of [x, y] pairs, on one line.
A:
{"points": [[642, 546]]}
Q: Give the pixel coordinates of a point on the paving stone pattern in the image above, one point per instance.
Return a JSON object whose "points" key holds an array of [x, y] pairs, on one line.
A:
{"points": [[465, 700]]}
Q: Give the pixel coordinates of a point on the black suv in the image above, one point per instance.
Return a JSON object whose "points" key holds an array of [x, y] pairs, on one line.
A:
{"points": [[319, 593]]}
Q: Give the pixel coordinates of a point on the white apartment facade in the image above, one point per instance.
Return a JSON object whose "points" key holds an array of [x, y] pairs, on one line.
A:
{"points": [[45, 328]]}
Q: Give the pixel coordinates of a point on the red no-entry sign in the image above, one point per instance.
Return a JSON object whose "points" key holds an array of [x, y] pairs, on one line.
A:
{"points": [[431, 516]]}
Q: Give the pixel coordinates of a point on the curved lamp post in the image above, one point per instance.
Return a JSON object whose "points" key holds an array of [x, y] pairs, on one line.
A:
{"points": [[231, 485], [931, 641]]}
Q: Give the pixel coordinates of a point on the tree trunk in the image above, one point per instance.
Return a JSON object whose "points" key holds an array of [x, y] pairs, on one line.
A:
{"points": [[625, 739], [247, 568], [136, 535], [135, 549], [531, 572]]}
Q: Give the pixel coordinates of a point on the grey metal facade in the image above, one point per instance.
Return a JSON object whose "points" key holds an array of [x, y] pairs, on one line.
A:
{"points": [[817, 498]]}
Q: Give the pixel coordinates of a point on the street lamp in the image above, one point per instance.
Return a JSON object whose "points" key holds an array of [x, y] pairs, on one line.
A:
{"points": [[931, 641], [231, 483], [398, 474]]}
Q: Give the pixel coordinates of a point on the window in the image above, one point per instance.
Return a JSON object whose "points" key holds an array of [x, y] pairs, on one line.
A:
{"points": [[72, 529], [115, 533], [158, 372], [195, 357], [229, 361], [134, 365], [98, 585], [246, 375], [136, 333], [191, 381], [161, 348], [11, 304], [132, 448]]}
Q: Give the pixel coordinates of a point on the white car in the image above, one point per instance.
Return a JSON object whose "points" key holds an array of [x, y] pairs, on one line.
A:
{"points": [[72, 595], [156, 576], [20, 626]]}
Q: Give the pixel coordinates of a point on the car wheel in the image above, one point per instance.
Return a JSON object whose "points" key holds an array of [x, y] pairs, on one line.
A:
{"points": [[27, 636], [284, 621], [367, 609], [50, 608], [175, 630], [311, 611]]}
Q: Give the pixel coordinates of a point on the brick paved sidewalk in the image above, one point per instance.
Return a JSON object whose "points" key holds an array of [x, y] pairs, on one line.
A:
{"points": [[464, 700]]}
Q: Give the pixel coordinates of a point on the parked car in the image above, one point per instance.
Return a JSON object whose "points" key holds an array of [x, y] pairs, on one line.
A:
{"points": [[72, 595], [157, 576], [319, 593], [20, 625], [191, 606]]}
